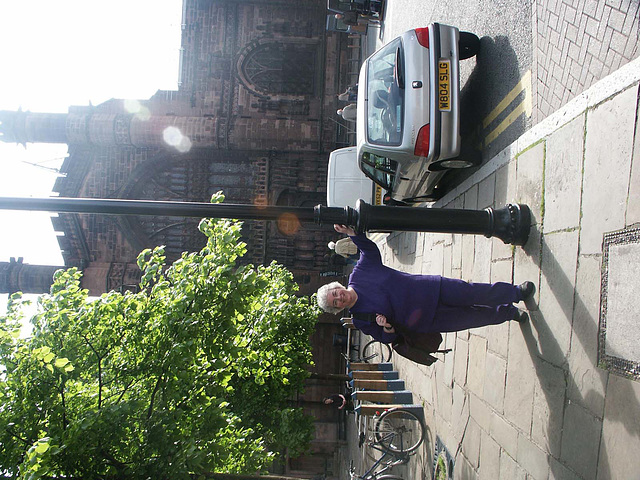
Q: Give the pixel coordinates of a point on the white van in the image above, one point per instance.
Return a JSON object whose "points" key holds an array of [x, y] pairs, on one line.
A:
{"points": [[346, 183]]}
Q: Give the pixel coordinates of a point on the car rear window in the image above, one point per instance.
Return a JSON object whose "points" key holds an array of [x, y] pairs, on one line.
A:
{"points": [[385, 105]]}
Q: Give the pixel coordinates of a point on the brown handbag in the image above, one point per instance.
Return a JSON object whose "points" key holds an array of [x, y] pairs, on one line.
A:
{"points": [[418, 347], [415, 346]]}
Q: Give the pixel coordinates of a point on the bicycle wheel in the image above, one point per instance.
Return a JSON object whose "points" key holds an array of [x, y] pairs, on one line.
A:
{"points": [[399, 430], [376, 351], [389, 477]]}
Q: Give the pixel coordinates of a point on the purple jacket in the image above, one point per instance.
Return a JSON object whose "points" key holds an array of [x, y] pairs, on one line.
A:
{"points": [[405, 299]]}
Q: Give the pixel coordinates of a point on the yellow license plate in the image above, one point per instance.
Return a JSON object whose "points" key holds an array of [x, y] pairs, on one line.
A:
{"points": [[378, 195], [444, 85]]}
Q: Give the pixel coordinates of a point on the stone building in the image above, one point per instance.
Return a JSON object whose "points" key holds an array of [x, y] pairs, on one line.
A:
{"points": [[254, 116]]}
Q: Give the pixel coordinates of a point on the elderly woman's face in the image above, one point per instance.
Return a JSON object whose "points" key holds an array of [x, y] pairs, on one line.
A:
{"points": [[340, 297]]}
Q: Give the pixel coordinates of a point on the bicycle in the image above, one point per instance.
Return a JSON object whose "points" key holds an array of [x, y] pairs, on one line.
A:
{"points": [[397, 435], [372, 352]]}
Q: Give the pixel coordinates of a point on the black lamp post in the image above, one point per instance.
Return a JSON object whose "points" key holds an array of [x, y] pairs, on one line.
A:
{"points": [[511, 223]]}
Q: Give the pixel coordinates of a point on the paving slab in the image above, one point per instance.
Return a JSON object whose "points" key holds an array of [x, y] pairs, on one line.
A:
{"points": [[558, 471], [480, 412], [464, 470], [563, 176], [489, 458], [477, 358], [471, 443], [481, 271], [532, 458], [557, 285], [494, 381], [460, 411], [510, 469], [461, 360], [529, 174], [443, 400], [620, 430], [486, 192], [623, 285], [587, 382], [633, 202], [607, 168], [526, 264], [518, 399], [505, 434], [548, 406], [468, 241], [505, 192], [581, 441]]}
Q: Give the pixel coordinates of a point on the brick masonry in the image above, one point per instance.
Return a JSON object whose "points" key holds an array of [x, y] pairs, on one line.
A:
{"points": [[577, 43]]}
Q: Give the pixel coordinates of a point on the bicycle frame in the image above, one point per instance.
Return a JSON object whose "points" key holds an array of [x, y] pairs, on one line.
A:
{"points": [[371, 473]]}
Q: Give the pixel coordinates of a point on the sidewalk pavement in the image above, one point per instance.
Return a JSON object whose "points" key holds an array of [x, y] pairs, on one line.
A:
{"points": [[530, 401]]}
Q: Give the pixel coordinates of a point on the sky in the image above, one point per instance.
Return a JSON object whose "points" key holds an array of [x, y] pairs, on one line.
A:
{"points": [[72, 52]]}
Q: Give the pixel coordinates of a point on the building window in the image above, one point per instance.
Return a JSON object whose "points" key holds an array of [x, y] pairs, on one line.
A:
{"points": [[281, 68]]}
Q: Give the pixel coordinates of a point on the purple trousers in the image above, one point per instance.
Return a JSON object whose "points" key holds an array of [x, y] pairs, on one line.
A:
{"points": [[465, 305]]}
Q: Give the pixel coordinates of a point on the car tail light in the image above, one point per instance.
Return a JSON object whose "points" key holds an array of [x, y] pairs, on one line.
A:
{"points": [[422, 34], [422, 143]]}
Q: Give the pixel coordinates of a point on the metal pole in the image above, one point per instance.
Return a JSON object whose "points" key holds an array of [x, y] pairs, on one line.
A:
{"points": [[511, 223], [151, 207]]}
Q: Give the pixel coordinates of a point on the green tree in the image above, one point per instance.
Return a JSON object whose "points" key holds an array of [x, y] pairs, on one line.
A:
{"points": [[190, 375]]}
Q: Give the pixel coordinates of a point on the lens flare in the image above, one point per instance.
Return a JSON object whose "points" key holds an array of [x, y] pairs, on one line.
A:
{"points": [[139, 110], [174, 137], [288, 223], [260, 201]]}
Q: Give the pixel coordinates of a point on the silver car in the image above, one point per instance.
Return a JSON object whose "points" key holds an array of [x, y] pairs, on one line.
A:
{"points": [[408, 125]]}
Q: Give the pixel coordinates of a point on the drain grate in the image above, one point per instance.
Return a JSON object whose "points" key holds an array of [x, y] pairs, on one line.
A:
{"points": [[619, 331], [443, 462]]}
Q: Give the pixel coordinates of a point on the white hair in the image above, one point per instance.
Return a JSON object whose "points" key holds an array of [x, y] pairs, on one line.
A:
{"points": [[323, 297], [331, 245]]}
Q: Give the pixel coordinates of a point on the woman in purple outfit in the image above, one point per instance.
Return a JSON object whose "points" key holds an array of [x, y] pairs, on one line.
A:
{"points": [[417, 303]]}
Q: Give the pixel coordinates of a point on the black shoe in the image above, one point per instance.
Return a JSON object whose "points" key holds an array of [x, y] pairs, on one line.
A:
{"points": [[521, 316], [527, 289]]}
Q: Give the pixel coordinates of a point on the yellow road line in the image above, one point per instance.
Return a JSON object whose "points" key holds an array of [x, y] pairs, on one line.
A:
{"points": [[523, 84], [526, 107], [515, 113]]}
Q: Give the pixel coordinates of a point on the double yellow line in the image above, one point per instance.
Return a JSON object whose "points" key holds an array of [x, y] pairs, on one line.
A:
{"points": [[525, 106]]}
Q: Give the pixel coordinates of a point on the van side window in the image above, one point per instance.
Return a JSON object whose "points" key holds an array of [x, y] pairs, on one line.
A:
{"points": [[379, 169]]}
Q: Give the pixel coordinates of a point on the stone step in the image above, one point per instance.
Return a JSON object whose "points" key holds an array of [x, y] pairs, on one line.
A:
{"points": [[374, 375], [360, 366], [392, 396], [377, 384]]}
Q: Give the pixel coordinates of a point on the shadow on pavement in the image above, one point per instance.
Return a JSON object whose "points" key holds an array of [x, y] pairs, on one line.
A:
{"points": [[551, 363], [485, 124]]}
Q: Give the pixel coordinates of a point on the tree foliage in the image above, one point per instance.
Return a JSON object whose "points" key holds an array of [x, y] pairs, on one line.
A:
{"points": [[192, 374]]}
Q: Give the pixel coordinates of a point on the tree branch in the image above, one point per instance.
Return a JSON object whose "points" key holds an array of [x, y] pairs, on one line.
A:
{"points": [[153, 395]]}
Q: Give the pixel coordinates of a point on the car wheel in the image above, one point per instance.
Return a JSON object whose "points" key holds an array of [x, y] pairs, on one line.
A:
{"points": [[450, 164], [468, 45]]}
